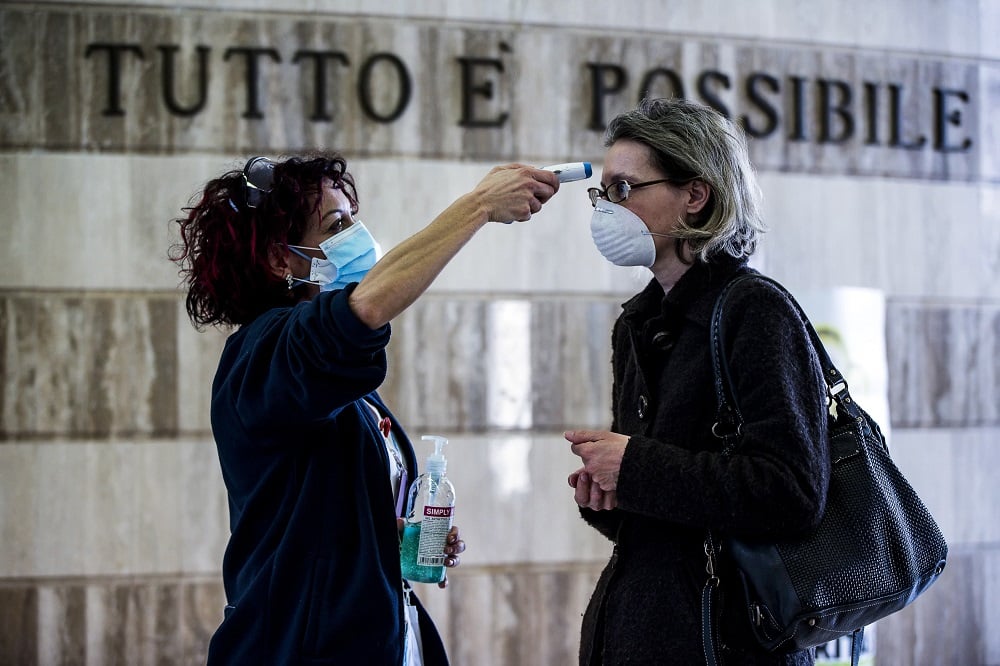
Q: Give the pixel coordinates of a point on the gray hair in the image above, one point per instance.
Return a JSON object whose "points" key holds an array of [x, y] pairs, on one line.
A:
{"points": [[692, 141]]}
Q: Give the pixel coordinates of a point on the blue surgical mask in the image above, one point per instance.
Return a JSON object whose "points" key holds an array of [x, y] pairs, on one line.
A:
{"points": [[349, 254]]}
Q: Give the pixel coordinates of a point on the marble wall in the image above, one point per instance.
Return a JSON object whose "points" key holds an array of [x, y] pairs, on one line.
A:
{"points": [[112, 511]]}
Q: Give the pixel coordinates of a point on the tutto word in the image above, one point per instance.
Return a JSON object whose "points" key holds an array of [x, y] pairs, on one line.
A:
{"points": [[822, 110], [380, 66]]}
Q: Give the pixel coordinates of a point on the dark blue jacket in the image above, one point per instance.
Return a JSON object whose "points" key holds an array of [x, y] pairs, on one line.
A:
{"points": [[311, 571]]}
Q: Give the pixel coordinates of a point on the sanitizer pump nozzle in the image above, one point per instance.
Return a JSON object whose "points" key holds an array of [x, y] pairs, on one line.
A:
{"points": [[437, 464]]}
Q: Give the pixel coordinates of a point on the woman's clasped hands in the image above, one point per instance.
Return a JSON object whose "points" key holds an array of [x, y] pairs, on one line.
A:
{"points": [[601, 452]]}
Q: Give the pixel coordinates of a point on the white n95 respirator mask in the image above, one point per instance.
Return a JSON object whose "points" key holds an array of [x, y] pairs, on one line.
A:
{"points": [[621, 235]]}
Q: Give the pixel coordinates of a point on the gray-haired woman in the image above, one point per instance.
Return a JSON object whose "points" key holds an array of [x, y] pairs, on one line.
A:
{"points": [[678, 195]]}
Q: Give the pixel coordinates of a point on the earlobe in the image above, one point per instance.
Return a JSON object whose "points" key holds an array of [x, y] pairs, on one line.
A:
{"points": [[278, 261], [700, 193]]}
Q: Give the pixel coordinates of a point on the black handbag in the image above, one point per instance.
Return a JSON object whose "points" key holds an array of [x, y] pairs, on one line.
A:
{"points": [[876, 549]]}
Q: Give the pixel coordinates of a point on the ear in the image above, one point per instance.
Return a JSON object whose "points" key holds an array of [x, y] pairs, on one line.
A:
{"points": [[700, 192], [277, 260]]}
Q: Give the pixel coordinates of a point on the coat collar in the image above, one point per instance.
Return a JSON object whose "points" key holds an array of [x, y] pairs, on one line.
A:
{"points": [[686, 298]]}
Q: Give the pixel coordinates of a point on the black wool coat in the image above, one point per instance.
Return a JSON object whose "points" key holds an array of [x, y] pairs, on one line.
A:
{"points": [[675, 483]]}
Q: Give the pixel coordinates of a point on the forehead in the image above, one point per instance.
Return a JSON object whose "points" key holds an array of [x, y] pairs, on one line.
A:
{"points": [[333, 197], [628, 159]]}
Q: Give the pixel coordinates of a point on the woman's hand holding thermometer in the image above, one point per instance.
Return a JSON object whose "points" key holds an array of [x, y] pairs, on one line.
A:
{"points": [[568, 173]]}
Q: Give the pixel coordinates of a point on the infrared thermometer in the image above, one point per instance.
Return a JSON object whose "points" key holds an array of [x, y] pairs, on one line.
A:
{"points": [[568, 173], [571, 171]]}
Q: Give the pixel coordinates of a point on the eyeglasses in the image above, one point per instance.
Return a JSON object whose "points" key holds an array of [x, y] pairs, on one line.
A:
{"points": [[618, 192], [258, 176]]}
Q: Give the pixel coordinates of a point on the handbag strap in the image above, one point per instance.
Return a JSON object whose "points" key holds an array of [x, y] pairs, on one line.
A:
{"points": [[729, 422], [857, 641]]}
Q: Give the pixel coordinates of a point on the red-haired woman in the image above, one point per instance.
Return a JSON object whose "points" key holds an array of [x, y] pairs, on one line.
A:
{"points": [[313, 460]]}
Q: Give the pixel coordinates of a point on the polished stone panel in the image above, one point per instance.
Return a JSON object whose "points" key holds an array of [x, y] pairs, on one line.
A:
{"points": [[61, 623], [525, 615], [159, 506], [990, 117], [108, 227], [19, 624], [459, 92], [959, 27], [509, 364], [903, 237], [127, 366], [113, 516], [124, 243], [198, 354], [452, 388], [952, 472], [111, 508], [529, 552], [929, 630], [98, 622], [88, 365], [514, 503], [944, 362], [914, 241]]}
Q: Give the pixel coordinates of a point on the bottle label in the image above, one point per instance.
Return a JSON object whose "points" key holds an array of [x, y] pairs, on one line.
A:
{"points": [[433, 534]]}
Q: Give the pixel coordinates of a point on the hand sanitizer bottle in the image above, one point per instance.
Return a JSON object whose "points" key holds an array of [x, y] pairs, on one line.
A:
{"points": [[429, 512]]}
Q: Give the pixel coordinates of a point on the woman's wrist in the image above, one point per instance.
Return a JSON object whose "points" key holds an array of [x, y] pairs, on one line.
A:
{"points": [[470, 209]]}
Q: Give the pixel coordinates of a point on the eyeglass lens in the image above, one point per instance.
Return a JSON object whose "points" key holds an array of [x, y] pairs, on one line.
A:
{"points": [[615, 192]]}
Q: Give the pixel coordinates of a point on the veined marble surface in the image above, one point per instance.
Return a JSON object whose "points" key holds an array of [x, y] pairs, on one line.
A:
{"points": [[113, 516], [98, 568]]}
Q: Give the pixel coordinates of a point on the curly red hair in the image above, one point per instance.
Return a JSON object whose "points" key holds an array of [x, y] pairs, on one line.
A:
{"points": [[225, 247]]}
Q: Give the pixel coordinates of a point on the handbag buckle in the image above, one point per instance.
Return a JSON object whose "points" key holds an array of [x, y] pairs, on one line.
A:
{"points": [[837, 389], [713, 579]]}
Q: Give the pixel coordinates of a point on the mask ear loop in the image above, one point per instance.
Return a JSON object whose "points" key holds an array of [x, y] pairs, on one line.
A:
{"points": [[291, 279]]}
